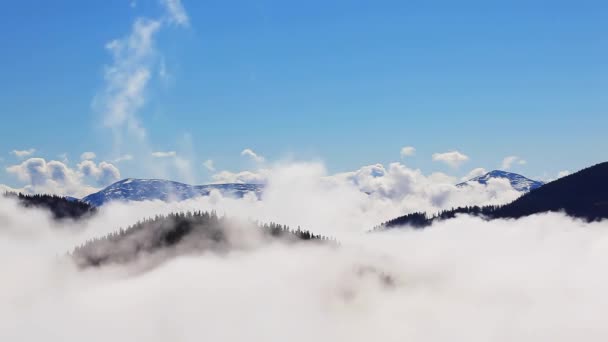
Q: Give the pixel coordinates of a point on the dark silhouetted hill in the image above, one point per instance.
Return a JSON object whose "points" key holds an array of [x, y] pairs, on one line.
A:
{"points": [[180, 233], [582, 195], [60, 207]]}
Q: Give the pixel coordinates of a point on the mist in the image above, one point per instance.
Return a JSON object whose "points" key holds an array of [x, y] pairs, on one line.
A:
{"points": [[537, 278]]}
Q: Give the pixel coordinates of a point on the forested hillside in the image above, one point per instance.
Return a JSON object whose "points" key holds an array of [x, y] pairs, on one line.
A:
{"points": [[60, 207], [179, 233]]}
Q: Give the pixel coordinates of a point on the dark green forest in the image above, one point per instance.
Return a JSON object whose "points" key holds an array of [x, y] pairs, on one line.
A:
{"points": [[60, 207], [174, 233]]}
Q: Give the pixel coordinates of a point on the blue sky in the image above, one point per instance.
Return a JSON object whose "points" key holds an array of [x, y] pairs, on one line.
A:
{"points": [[346, 82]]}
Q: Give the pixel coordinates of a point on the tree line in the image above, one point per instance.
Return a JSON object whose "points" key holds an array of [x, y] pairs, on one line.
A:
{"points": [[60, 207]]}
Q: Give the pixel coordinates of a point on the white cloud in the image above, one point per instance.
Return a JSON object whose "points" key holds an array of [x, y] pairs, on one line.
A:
{"points": [[442, 178], [176, 13], [251, 154], [88, 156], [55, 177], [372, 193], [208, 164], [163, 154], [124, 157], [24, 153], [50, 177], [453, 158], [508, 162], [38, 171], [411, 190], [103, 173], [407, 151], [563, 173]]}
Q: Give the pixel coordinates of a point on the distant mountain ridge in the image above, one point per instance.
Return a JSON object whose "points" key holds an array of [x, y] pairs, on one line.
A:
{"points": [[133, 189], [518, 182]]}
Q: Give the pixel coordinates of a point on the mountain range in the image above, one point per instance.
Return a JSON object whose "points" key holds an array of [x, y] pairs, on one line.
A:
{"points": [[132, 189]]}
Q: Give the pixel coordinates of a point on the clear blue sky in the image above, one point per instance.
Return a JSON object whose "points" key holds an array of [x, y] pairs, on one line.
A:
{"points": [[348, 82]]}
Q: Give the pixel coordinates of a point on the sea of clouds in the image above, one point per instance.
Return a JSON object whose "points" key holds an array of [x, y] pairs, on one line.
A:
{"points": [[537, 278]]}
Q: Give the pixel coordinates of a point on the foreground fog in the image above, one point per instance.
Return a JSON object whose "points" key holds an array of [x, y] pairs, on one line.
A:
{"points": [[539, 278]]}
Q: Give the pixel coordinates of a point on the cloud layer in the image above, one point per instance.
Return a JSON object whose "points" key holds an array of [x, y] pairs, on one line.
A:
{"points": [[539, 278]]}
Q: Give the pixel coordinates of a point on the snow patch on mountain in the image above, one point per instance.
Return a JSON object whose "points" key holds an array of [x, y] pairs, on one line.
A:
{"points": [[518, 182]]}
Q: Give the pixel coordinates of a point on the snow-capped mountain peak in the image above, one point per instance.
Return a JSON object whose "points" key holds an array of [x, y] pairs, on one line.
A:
{"points": [[518, 182]]}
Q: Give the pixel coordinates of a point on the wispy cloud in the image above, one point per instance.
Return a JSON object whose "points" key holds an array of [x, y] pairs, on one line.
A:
{"points": [[23, 153], [88, 156], [127, 77], [124, 157], [134, 60], [480, 171], [164, 154], [453, 158], [508, 162], [251, 154], [176, 14], [208, 164]]}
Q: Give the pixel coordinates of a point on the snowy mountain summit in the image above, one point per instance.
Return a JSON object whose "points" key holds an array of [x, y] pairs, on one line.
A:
{"points": [[518, 182], [132, 189]]}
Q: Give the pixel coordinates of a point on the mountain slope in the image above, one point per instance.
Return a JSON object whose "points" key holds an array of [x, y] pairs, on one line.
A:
{"points": [[583, 195], [518, 182], [132, 189]]}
